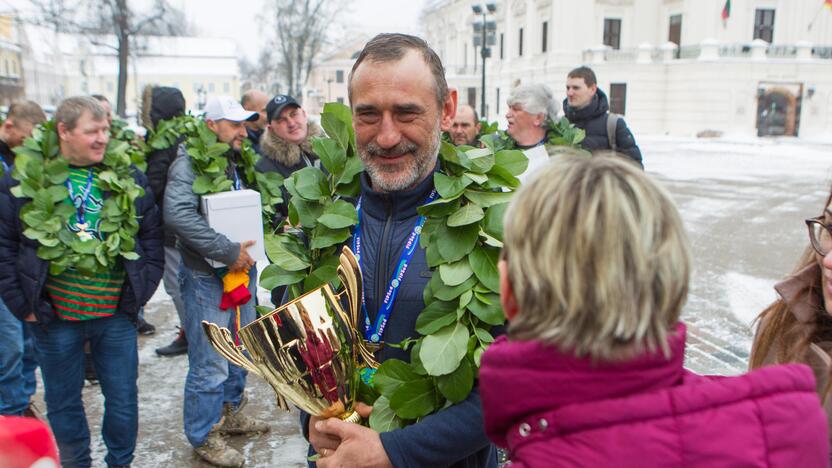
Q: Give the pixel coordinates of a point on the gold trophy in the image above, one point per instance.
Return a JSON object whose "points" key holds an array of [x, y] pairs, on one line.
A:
{"points": [[308, 349]]}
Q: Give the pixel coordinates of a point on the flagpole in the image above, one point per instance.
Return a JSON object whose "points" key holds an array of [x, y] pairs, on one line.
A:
{"points": [[811, 23]]}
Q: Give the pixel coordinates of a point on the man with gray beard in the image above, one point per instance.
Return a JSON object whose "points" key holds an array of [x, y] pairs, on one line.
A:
{"points": [[400, 103]]}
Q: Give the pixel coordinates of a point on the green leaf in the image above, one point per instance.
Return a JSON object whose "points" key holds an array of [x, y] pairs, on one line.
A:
{"points": [[482, 160], [333, 155], [449, 293], [454, 274], [130, 255], [281, 256], [512, 161], [262, 310], [458, 384], [493, 220], [321, 275], [274, 276], [455, 243], [202, 185], [392, 374], [354, 167], [501, 177], [436, 315], [491, 314], [468, 214], [483, 335], [383, 418], [484, 264], [339, 214], [439, 208], [323, 236], [450, 187], [442, 351], [487, 199], [414, 400], [310, 183]]}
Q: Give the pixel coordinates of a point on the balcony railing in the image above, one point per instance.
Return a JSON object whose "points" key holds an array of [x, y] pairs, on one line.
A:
{"points": [[708, 50]]}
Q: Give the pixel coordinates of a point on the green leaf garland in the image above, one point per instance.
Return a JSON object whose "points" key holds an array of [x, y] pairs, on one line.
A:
{"points": [[42, 173]]}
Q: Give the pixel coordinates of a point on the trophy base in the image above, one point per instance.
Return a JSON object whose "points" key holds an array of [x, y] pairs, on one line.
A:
{"points": [[351, 417]]}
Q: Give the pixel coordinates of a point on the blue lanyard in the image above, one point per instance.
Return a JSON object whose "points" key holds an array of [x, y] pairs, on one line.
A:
{"points": [[374, 333], [81, 207], [6, 166], [237, 184]]}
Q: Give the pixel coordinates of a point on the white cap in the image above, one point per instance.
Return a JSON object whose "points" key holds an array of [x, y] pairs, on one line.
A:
{"points": [[227, 108]]}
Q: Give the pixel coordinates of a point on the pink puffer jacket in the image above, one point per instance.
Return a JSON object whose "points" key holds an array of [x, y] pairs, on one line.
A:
{"points": [[553, 410]]}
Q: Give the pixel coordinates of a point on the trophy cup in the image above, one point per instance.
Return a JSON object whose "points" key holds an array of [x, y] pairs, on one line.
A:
{"points": [[308, 349]]}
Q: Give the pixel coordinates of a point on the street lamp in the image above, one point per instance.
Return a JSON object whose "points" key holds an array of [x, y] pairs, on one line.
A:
{"points": [[485, 34]]}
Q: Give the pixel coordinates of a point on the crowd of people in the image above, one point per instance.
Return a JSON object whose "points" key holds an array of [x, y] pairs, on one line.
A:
{"points": [[594, 273]]}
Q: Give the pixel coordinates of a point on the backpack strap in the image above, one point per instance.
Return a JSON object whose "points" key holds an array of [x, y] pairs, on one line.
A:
{"points": [[612, 123]]}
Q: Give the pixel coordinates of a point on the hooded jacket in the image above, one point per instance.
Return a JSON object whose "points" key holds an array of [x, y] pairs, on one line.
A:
{"points": [[592, 118], [551, 409], [278, 155], [161, 103]]}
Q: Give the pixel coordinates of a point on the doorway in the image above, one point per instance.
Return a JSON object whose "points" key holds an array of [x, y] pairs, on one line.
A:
{"points": [[778, 109]]}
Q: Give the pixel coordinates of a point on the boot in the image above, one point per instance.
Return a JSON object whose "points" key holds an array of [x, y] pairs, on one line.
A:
{"points": [[176, 347], [143, 327], [217, 452], [235, 423]]}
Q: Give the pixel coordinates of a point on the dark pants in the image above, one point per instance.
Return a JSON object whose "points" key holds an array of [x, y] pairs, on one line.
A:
{"points": [[60, 352]]}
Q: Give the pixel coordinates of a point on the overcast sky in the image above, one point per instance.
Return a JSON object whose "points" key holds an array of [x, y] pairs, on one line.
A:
{"points": [[240, 21]]}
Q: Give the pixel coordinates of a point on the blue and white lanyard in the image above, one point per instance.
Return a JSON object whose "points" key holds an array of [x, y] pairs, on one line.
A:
{"points": [[6, 166], [374, 333], [81, 207], [237, 184]]}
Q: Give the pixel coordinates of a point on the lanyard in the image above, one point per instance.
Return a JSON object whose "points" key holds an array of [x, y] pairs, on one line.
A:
{"points": [[6, 166], [237, 184], [374, 333], [81, 207]]}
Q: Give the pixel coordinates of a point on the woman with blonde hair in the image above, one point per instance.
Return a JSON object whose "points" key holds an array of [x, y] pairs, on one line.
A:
{"points": [[594, 276], [797, 327]]}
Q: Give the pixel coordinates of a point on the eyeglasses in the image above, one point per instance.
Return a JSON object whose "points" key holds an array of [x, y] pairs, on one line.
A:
{"points": [[820, 235]]}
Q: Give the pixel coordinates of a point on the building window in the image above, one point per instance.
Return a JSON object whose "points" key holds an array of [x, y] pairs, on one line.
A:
{"points": [[520, 43], [210, 87], [618, 98], [226, 88], [764, 25], [612, 33], [340, 99], [544, 35], [339, 76], [501, 45]]}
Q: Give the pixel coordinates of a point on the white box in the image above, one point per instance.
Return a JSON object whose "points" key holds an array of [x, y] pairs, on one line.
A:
{"points": [[238, 216]]}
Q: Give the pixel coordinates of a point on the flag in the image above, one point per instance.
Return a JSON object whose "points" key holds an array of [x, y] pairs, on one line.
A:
{"points": [[828, 4], [726, 10]]}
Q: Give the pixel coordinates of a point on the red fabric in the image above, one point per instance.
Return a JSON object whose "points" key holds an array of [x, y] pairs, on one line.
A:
{"points": [[237, 296], [648, 411], [24, 441]]}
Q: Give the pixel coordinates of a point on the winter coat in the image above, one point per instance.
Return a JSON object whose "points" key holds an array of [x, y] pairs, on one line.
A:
{"points": [[254, 137], [278, 155], [803, 303], [23, 274], [161, 103], [551, 409], [592, 118], [453, 436], [196, 240]]}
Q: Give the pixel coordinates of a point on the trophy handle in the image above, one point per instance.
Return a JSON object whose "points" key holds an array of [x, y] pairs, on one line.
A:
{"points": [[350, 274], [220, 339]]}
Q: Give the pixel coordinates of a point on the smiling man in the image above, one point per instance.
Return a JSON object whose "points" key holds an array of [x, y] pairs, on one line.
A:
{"points": [[401, 104], [71, 307]]}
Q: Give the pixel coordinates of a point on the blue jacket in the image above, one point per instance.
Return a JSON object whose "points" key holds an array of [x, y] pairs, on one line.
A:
{"points": [[23, 274], [454, 436]]}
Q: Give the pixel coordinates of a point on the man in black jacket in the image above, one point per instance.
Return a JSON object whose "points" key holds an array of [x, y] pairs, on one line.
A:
{"points": [[401, 103], [70, 307], [163, 103], [587, 108]]}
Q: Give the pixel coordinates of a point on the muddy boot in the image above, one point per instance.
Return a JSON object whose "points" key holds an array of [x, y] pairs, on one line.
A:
{"points": [[236, 423], [217, 452], [176, 347]]}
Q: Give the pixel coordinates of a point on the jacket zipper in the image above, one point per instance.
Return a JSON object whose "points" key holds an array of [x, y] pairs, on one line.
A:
{"points": [[381, 263]]}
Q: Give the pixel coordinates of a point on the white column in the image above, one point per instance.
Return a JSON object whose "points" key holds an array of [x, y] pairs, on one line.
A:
{"points": [[804, 50], [709, 50], [758, 49], [645, 53], [668, 51]]}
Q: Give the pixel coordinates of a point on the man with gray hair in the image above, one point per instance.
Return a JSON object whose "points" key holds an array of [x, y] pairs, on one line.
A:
{"points": [[71, 305], [531, 107], [400, 104]]}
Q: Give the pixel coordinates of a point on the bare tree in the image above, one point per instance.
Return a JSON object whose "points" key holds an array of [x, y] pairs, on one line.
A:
{"points": [[96, 18], [301, 28]]}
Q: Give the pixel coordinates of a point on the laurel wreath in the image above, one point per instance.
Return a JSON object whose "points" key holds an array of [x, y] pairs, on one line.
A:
{"points": [[42, 174]]}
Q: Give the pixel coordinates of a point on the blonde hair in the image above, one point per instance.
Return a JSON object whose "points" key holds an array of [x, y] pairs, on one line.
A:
{"points": [[597, 257]]}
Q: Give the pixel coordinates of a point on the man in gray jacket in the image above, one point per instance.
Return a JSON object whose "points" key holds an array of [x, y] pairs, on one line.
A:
{"points": [[214, 388]]}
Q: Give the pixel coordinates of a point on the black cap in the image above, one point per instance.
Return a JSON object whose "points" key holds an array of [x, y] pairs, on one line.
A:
{"points": [[277, 104]]}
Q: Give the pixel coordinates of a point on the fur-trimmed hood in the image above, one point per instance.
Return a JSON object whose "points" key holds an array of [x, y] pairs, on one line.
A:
{"points": [[285, 153]]}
